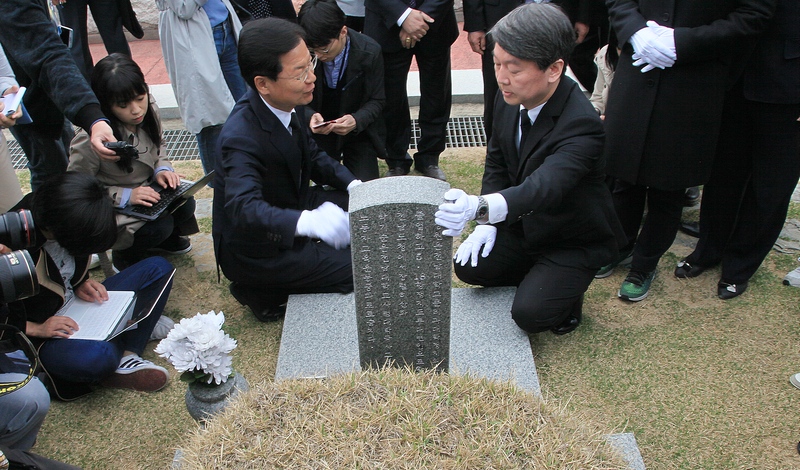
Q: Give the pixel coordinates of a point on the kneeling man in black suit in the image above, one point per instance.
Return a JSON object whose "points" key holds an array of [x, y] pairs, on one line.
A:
{"points": [[545, 219], [274, 234]]}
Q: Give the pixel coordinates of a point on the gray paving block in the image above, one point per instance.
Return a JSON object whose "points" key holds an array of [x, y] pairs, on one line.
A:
{"points": [[320, 337], [626, 444], [486, 342]]}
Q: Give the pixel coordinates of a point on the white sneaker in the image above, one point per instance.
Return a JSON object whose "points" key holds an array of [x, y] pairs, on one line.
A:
{"points": [[138, 374], [162, 328], [792, 278], [795, 380]]}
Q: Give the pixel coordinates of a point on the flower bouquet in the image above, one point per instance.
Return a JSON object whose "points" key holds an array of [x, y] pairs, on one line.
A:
{"points": [[199, 349]]}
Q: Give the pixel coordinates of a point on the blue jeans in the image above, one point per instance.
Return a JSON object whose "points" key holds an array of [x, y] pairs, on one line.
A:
{"points": [[225, 41], [22, 412], [81, 360], [207, 147]]}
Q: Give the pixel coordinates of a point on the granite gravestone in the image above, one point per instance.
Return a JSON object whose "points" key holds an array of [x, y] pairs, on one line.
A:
{"points": [[402, 272]]}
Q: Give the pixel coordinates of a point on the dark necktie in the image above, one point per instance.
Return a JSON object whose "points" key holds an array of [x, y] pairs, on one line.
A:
{"points": [[524, 126], [297, 131]]}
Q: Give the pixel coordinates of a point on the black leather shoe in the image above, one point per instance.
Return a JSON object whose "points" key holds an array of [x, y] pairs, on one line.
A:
{"points": [[265, 307], [690, 228], [691, 197], [397, 171], [686, 270], [434, 171], [726, 291], [572, 321]]}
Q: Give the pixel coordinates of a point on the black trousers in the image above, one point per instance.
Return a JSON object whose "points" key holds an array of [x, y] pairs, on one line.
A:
{"points": [[546, 290], [664, 208], [436, 96], [181, 222], [109, 25], [745, 201]]}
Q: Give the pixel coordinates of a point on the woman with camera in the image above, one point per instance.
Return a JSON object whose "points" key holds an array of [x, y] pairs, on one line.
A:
{"points": [[74, 217], [119, 84]]}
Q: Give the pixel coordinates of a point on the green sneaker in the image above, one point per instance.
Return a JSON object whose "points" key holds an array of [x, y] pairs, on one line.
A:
{"points": [[623, 260], [636, 285]]}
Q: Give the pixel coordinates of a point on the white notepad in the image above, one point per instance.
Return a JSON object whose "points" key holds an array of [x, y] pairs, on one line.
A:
{"points": [[101, 320]]}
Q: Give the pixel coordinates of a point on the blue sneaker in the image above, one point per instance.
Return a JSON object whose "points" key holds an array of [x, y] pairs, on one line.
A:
{"points": [[636, 285]]}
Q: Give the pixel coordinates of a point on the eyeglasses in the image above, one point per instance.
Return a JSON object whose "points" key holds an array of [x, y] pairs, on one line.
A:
{"points": [[325, 51], [312, 64]]}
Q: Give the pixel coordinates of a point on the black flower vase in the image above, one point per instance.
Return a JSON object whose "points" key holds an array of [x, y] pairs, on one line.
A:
{"points": [[205, 400]]}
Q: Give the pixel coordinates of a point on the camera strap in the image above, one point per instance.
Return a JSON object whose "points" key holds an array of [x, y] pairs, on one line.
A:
{"points": [[13, 343]]}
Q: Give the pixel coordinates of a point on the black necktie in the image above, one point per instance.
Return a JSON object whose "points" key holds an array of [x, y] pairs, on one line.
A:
{"points": [[297, 131], [524, 126]]}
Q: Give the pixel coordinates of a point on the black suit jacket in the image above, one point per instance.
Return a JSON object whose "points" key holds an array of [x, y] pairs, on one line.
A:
{"points": [[380, 22], [262, 181], [362, 93], [554, 185]]}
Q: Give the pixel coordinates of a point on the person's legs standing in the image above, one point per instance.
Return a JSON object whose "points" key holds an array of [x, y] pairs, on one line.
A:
{"points": [[396, 111], [489, 90], [109, 24], [436, 97], [207, 147], [661, 224], [47, 155], [225, 41], [361, 158], [73, 15]]}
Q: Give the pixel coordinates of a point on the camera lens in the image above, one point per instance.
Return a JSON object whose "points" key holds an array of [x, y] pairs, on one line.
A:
{"points": [[18, 279], [17, 230]]}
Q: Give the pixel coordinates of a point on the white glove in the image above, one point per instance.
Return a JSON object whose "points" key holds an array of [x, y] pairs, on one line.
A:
{"points": [[353, 184], [484, 235], [328, 223], [454, 215], [654, 46]]}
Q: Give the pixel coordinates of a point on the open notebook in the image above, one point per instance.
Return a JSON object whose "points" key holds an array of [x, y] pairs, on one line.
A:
{"points": [[107, 320]]}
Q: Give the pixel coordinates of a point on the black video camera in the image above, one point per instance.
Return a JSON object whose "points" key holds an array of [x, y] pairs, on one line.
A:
{"points": [[18, 278], [127, 154]]}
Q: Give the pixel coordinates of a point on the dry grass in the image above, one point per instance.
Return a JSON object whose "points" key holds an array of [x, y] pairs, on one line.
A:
{"points": [[397, 419], [701, 382]]}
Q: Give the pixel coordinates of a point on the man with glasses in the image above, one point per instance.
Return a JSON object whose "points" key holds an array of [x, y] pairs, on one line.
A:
{"points": [[274, 234], [349, 96]]}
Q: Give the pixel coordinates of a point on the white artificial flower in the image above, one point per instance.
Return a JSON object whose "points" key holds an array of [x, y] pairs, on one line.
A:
{"points": [[199, 344]]}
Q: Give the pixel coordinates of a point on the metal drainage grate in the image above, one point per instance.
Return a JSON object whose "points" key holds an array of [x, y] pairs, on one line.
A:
{"points": [[182, 146]]}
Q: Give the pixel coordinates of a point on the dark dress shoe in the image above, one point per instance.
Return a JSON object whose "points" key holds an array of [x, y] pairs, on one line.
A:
{"points": [[686, 270], [691, 197], [726, 291], [397, 171], [434, 171], [572, 321], [691, 228], [265, 307]]}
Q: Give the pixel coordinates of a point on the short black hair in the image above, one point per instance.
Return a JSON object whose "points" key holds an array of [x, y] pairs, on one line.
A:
{"points": [[322, 20], [262, 43], [536, 32], [77, 211]]}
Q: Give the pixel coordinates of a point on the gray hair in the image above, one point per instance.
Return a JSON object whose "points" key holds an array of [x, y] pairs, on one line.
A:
{"points": [[537, 32]]}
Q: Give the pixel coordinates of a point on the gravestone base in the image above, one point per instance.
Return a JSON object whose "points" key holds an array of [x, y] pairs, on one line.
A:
{"points": [[320, 338]]}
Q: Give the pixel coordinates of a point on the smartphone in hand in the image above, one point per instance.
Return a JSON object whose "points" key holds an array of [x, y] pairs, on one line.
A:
{"points": [[325, 123]]}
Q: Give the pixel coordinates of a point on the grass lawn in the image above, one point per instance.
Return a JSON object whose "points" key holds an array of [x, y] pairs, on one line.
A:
{"points": [[703, 383]]}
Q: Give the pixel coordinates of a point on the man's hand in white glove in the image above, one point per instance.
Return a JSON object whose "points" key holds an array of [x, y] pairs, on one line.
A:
{"points": [[485, 236], [328, 223], [653, 47], [454, 215]]}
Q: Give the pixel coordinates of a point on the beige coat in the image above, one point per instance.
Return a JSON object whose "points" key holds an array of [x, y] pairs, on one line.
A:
{"points": [[83, 158]]}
